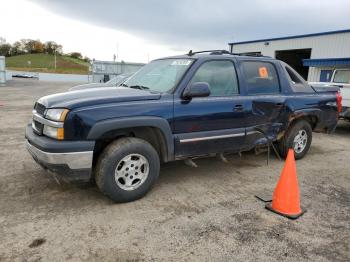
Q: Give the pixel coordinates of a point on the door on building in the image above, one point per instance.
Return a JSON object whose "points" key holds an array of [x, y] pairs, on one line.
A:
{"points": [[294, 58], [326, 75]]}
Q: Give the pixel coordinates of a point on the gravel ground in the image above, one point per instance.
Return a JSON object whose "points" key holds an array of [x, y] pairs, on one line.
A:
{"points": [[207, 213]]}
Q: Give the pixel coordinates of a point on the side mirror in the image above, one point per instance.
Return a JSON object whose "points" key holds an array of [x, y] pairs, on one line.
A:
{"points": [[197, 89]]}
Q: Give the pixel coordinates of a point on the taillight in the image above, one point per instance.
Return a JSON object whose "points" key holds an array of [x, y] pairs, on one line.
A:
{"points": [[339, 100]]}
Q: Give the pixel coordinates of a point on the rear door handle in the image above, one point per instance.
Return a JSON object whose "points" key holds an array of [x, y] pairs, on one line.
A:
{"points": [[238, 108]]}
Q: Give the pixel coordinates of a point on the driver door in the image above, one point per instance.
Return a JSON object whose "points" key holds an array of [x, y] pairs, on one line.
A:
{"points": [[212, 124]]}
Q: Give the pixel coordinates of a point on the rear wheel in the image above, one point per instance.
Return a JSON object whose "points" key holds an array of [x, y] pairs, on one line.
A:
{"points": [[298, 137], [127, 169]]}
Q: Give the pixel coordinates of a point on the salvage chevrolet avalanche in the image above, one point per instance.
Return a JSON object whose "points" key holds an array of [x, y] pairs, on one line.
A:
{"points": [[177, 108]]}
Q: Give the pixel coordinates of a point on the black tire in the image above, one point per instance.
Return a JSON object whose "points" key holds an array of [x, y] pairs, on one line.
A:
{"points": [[288, 139], [111, 157]]}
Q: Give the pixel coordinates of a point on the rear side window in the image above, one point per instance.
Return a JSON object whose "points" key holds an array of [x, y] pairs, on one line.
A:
{"points": [[297, 83], [293, 77], [261, 78]]}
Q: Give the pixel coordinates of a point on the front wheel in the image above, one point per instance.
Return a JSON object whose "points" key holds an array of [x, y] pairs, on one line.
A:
{"points": [[127, 169], [298, 137]]}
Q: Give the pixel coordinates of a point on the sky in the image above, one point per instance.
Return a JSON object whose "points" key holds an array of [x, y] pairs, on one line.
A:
{"points": [[142, 30]]}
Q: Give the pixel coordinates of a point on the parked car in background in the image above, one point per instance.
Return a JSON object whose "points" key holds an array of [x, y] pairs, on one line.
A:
{"points": [[23, 75], [341, 79], [116, 81], [177, 108]]}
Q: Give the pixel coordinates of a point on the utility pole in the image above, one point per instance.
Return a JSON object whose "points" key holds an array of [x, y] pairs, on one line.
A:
{"points": [[55, 60], [117, 51]]}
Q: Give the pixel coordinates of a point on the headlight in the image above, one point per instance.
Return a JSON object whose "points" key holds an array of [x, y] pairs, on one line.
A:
{"points": [[56, 114], [54, 132]]}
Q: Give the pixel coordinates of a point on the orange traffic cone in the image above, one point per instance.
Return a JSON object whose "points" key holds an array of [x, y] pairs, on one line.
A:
{"points": [[286, 199]]}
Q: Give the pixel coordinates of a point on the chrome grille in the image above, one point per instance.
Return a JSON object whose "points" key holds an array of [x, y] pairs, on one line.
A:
{"points": [[40, 109], [37, 127]]}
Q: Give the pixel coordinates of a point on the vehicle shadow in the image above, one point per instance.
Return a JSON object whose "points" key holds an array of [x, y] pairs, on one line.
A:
{"points": [[172, 175], [176, 172], [343, 128]]}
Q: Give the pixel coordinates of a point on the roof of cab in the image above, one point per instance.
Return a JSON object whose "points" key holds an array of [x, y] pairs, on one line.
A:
{"points": [[216, 54]]}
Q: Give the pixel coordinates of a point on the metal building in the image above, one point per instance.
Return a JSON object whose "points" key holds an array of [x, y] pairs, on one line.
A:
{"points": [[314, 56], [2, 71], [103, 71]]}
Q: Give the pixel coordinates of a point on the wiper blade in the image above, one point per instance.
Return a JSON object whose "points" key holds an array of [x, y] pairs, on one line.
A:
{"points": [[140, 87]]}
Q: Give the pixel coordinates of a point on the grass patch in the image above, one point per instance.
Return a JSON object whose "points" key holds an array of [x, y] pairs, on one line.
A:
{"points": [[46, 63]]}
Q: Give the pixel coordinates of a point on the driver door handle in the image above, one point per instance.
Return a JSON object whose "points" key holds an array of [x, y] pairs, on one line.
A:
{"points": [[238, 108]]}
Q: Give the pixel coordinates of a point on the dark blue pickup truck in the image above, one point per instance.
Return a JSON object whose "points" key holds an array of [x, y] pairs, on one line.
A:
{"points": [[177, 108]]}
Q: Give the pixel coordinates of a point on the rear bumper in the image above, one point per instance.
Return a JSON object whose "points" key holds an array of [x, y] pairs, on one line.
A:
{"points": [[70, 159], [345, 113]]}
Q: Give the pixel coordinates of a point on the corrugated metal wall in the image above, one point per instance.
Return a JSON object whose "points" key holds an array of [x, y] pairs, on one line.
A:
{"points": [[112, 69], [314, 74], [2, 71], [100, 67], [323, 46]]}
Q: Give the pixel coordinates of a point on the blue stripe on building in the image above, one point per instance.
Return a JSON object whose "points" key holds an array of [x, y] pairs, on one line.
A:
{"points": [[326, 62]]}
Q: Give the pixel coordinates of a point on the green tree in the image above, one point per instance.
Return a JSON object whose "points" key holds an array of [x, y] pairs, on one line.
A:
{"points": [[86, 59], [76, 55], [50, 47], [17, 48], [28, 45], [5, 49], [32, 46]]}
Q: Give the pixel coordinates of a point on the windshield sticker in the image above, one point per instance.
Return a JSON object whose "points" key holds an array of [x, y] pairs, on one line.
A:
{"points": [[263, 72], [182, 62]]}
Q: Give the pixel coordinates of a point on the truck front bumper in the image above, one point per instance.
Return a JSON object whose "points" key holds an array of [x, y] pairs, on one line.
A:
{"points": [[72, 160]]}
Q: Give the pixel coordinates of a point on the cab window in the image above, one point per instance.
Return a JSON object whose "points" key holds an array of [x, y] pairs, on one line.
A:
{"points": [[342, 76], [260, 78], [221, 77]]}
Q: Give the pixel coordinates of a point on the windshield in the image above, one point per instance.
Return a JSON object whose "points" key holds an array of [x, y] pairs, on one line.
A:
{"points": [[159, 75], [116, 80], [342, 76]]}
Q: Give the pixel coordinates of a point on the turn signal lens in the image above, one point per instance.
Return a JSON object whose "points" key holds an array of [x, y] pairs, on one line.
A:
{"points": [[64, 115], [60, 133]]}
